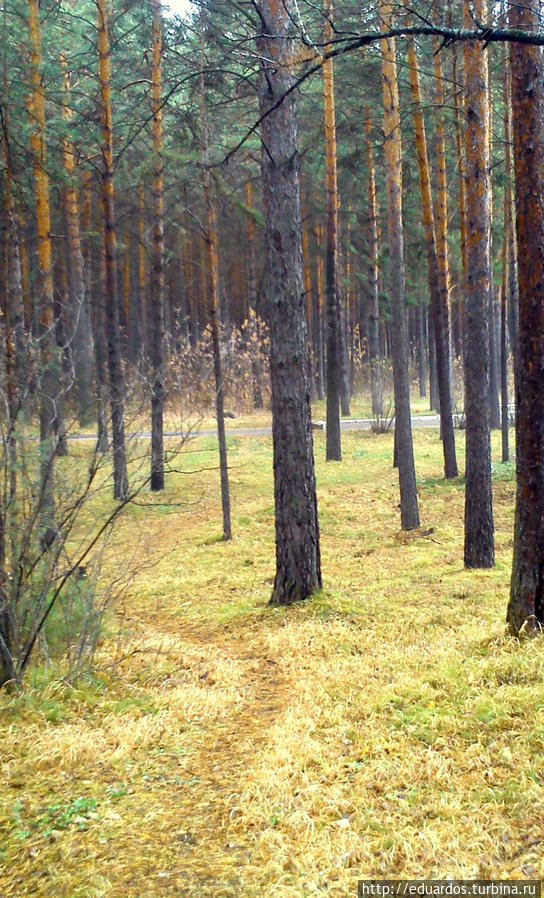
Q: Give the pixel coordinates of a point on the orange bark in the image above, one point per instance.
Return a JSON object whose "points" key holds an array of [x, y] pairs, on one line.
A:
{"points": [[49, 362], [36, 106], [334, 451], [376, 379], [437, 273], [441, 205], [393, 173]]}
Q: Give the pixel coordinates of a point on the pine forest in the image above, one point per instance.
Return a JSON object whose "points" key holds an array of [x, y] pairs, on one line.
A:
{"points": [[272, 448]]}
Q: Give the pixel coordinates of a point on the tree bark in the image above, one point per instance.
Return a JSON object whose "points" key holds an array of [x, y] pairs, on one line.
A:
{"points": [[399, 331], [437, 265], [334, 323], [441, 205], [504, 350], [309, 309], [458, 112], [49, 385], [256, 367], [158, 389], [376, 371], [143, 278], [510, 226], [112, 330], [479, 542], [526, 606], [213, 296], [94, 289], [318, 315], [298, 561], [78, 302]]}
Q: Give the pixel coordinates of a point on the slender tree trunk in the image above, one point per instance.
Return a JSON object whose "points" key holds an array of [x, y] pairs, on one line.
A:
{"points": [[25, 274], [194, 319], [125, 288], [494, 312], [15, 342], [504, 350], [345, 389], [441, 206], [510, 226], [185, 267], [113, 336], [12, 319], [96, 303], [158, 389], [49, 386], [434, 398], [202, 304], [334, 324], [350, 310], [63, 349], [143, 279], [421, 314], [298, 562], [437, 264], [526, 606], [376, 368], [213, 295], [319, 309], [100, 348], [256, 367], [393, 171], [309, 309], [479, 543], [458, 114], [78, 302], [15, 348]]}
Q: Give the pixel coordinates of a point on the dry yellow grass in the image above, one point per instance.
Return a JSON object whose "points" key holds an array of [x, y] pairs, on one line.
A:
{"points": [[387, 728]]}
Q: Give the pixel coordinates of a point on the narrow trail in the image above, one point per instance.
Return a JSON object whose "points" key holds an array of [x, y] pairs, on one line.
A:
{"points": [[206, 851]]}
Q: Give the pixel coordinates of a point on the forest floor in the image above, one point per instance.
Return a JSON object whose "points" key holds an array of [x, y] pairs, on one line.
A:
{"points": [[386, 728]]}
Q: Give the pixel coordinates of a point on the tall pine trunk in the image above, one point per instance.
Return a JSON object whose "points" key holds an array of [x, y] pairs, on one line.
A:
{"points": [[479, 542], [438, 284], [319, 309], [212, 290], [111, 318], [309, 307], [526, 606], [298, 561], [80, 338], [399, 327], [376, 370], [158, 390], [256, 367], [49, 377], [510, 226], [458, 108], [334, 322]]}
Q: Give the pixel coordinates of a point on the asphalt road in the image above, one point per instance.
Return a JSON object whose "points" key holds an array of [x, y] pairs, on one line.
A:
{"points": [[346, 424]]}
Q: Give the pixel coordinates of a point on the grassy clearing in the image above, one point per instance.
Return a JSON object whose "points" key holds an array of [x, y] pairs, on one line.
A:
{"points": [[386, 728]]}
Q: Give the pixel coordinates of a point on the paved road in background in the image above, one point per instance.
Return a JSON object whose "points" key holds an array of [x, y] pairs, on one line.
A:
{"points": [[346, 424]]}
